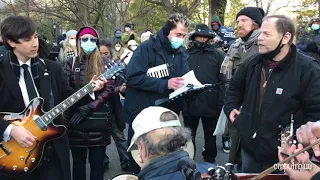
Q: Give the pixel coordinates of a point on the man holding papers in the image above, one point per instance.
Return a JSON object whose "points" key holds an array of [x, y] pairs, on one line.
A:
{"points": [[155, 70]]}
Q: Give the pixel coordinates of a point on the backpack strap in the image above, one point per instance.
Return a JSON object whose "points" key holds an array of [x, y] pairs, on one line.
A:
{"points": [[77, 68]]}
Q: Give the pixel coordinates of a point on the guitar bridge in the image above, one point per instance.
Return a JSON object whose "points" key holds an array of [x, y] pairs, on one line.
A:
{"points": [[4, 149]]}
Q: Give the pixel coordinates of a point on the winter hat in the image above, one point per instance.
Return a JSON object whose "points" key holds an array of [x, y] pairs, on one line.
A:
{"points": [[87, 30], [117, 32], [256, 14], [149, 29], [117, 28], [127, 25], [61, 37], [202, 30], [71, 32]]}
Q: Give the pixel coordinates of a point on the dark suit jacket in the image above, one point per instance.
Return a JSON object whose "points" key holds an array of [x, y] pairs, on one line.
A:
{"points": [[12, 100]]}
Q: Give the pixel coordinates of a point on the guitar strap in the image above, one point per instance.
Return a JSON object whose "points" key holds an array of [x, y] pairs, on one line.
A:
{"points": [[44, 66], [77, 72]]}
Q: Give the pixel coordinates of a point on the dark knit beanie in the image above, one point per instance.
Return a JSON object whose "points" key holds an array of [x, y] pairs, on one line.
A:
{"points": [[255, 13]]}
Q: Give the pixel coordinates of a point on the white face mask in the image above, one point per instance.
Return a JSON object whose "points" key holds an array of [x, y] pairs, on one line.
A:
{"points": [[117, 48], [127, 29], [72, 42], [133, 48]]}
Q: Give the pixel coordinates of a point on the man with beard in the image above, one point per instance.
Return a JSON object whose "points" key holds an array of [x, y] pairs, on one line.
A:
{"points": [[205, 61], [249, 20], [272, 86], [163, 56]]}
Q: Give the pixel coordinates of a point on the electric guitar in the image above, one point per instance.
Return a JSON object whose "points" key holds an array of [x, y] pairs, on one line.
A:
{"points": [[287, 138], [16, 160]]}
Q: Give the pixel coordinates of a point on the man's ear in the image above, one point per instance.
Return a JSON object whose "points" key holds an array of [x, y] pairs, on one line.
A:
{"points": [[11, 43], [286, 38]]}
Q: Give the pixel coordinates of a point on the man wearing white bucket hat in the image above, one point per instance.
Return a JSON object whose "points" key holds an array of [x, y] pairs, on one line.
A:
{"points": [[159, 139]]}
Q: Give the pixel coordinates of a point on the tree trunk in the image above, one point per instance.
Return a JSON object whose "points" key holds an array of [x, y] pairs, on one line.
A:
{"points": [[217, 8], [318, 7]]}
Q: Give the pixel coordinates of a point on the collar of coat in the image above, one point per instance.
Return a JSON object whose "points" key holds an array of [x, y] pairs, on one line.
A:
{"points": [[285, 61]]}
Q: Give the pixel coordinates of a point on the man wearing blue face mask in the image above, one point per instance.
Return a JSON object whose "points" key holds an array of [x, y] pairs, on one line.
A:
{"points": [[310, 41], [117, 35], [155, 70]]}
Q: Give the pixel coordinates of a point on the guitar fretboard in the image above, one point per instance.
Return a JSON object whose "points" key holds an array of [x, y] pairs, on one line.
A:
{"points": [[67, 103], [64, 105]]}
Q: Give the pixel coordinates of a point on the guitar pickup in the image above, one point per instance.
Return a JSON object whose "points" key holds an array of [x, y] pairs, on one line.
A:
{"points": [[4, 149]]}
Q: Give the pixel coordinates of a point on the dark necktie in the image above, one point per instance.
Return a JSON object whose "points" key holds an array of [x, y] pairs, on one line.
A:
{"points": [[29, 83]]}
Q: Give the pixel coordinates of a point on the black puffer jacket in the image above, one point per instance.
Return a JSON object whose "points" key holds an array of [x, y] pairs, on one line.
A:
{"points": [[91, 131], [206, 63]]}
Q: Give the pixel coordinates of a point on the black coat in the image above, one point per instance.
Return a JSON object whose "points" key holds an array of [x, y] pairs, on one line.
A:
{"points": [[96, 130], [206, 63], [12, 100], [142, 91], [292, 88], [116, 103]]}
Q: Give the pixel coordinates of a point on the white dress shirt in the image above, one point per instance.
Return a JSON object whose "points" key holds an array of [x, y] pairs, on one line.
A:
{"points": [[26, 100]]}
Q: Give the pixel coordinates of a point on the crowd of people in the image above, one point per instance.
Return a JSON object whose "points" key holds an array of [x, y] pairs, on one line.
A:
{"points": [[261, 81]]}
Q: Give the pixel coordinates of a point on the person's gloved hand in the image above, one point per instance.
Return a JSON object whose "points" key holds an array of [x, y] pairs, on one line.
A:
{"points": [[79, 115], [312, 47]]}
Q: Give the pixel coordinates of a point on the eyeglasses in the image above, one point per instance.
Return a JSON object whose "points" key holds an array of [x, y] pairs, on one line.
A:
{"points": [[92, 39]]}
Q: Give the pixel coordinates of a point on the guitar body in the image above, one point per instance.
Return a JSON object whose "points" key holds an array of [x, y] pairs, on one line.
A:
{"points": [[16, 160]]}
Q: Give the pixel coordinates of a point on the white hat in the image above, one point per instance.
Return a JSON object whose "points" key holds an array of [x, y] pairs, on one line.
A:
{"points": [[145, 36], [132, 43], [71, 32], [148, 120]]}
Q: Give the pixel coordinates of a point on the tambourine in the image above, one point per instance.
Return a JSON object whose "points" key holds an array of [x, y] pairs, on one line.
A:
{"points": [[189, 148], [125, 177]]}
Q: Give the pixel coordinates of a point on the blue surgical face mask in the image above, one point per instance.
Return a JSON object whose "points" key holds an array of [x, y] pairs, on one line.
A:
{"points": [[315, 27], [88, 47], [118, 34], [176, 42]]}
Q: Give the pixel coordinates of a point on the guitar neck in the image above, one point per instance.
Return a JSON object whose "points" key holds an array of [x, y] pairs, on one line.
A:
{"points": [[67, 103]]}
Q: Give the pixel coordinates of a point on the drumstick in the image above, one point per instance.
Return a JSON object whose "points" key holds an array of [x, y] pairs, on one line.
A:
{"points": [[271, 169]]}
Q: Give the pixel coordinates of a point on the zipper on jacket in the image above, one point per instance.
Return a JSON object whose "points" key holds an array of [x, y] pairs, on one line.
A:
{"points": [[258, 132]]}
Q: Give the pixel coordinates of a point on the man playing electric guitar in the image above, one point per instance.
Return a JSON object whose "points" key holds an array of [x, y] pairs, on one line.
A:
{"points": [[23, 77]]}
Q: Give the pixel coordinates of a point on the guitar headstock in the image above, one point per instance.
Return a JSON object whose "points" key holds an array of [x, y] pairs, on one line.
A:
{"points": [[113, 69], [286, 137]]}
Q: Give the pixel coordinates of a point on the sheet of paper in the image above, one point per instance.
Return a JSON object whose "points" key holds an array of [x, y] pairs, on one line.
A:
{"points": [[189, 78]]}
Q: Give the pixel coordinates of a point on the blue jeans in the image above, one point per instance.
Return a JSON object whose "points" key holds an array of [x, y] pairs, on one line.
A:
{"points": [[250, 165]]}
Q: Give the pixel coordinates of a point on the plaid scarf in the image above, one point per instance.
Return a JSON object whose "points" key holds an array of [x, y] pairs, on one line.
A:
{"points": [[34, 69]]}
